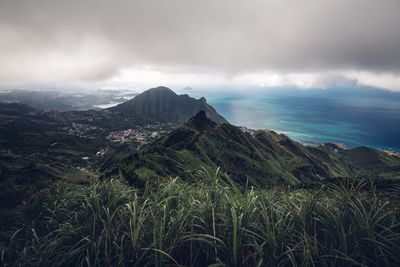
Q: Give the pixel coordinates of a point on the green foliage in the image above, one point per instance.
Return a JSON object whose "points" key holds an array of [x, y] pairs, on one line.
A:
{"points": [[209, 222], [263, 158]]}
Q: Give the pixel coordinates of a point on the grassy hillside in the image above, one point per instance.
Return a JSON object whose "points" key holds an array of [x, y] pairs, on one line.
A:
{"points": [[209, 222], [259, 158]]}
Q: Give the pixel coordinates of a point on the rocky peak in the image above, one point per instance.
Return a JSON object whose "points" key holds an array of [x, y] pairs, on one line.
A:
{"points": [[200, 122]]}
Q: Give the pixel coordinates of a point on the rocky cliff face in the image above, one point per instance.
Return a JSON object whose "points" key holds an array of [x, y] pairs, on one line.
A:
{"points": [[200, 122]]}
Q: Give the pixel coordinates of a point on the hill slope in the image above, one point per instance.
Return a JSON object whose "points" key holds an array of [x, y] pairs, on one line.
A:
{"points": [[164, 105], [262, 158]]}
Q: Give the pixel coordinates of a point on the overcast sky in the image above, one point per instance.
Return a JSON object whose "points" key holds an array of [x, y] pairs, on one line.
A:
{"points": [[200, 43]]}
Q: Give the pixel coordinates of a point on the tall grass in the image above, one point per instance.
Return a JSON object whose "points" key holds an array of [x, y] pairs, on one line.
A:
{"points": [[209, 222]]}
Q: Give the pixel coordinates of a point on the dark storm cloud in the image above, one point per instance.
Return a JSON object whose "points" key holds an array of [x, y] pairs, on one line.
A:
{"points": [[94, 40]]}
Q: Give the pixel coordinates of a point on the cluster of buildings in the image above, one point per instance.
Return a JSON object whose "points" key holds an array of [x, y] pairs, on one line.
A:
{"points": [[140, 134], [340, 145], [247, 130], [391, 152], [81, 130], [252, 131]]}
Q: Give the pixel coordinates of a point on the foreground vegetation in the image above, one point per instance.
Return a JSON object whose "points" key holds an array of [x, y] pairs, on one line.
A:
{"points": [[209, 222]]}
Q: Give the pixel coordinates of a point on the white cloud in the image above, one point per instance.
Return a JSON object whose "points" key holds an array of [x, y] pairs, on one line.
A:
{"points": [[144, 77], [390, 81]]}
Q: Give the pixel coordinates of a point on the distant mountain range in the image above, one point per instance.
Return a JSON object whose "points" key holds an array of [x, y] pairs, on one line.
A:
{"points": [[63, 100]]}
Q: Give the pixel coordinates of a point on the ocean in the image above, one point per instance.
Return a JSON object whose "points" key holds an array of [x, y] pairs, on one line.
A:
{"points": [[351, 115]]}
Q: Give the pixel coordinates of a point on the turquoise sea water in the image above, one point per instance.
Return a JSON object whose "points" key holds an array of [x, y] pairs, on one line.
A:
{"points": [[351, 115]]}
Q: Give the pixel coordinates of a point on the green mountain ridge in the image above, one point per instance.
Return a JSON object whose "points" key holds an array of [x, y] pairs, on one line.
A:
{"points": [[262, 159]]}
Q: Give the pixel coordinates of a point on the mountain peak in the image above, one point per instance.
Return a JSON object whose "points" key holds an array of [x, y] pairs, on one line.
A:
{"points": [[200, 122], [160, 89], [164, 105]]}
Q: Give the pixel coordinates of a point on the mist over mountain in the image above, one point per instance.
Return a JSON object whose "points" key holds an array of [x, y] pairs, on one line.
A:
{"points": [[64, 99]]}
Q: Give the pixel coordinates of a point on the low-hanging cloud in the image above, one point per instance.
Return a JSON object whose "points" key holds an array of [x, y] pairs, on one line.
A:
{"points": [[92, 40]]}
